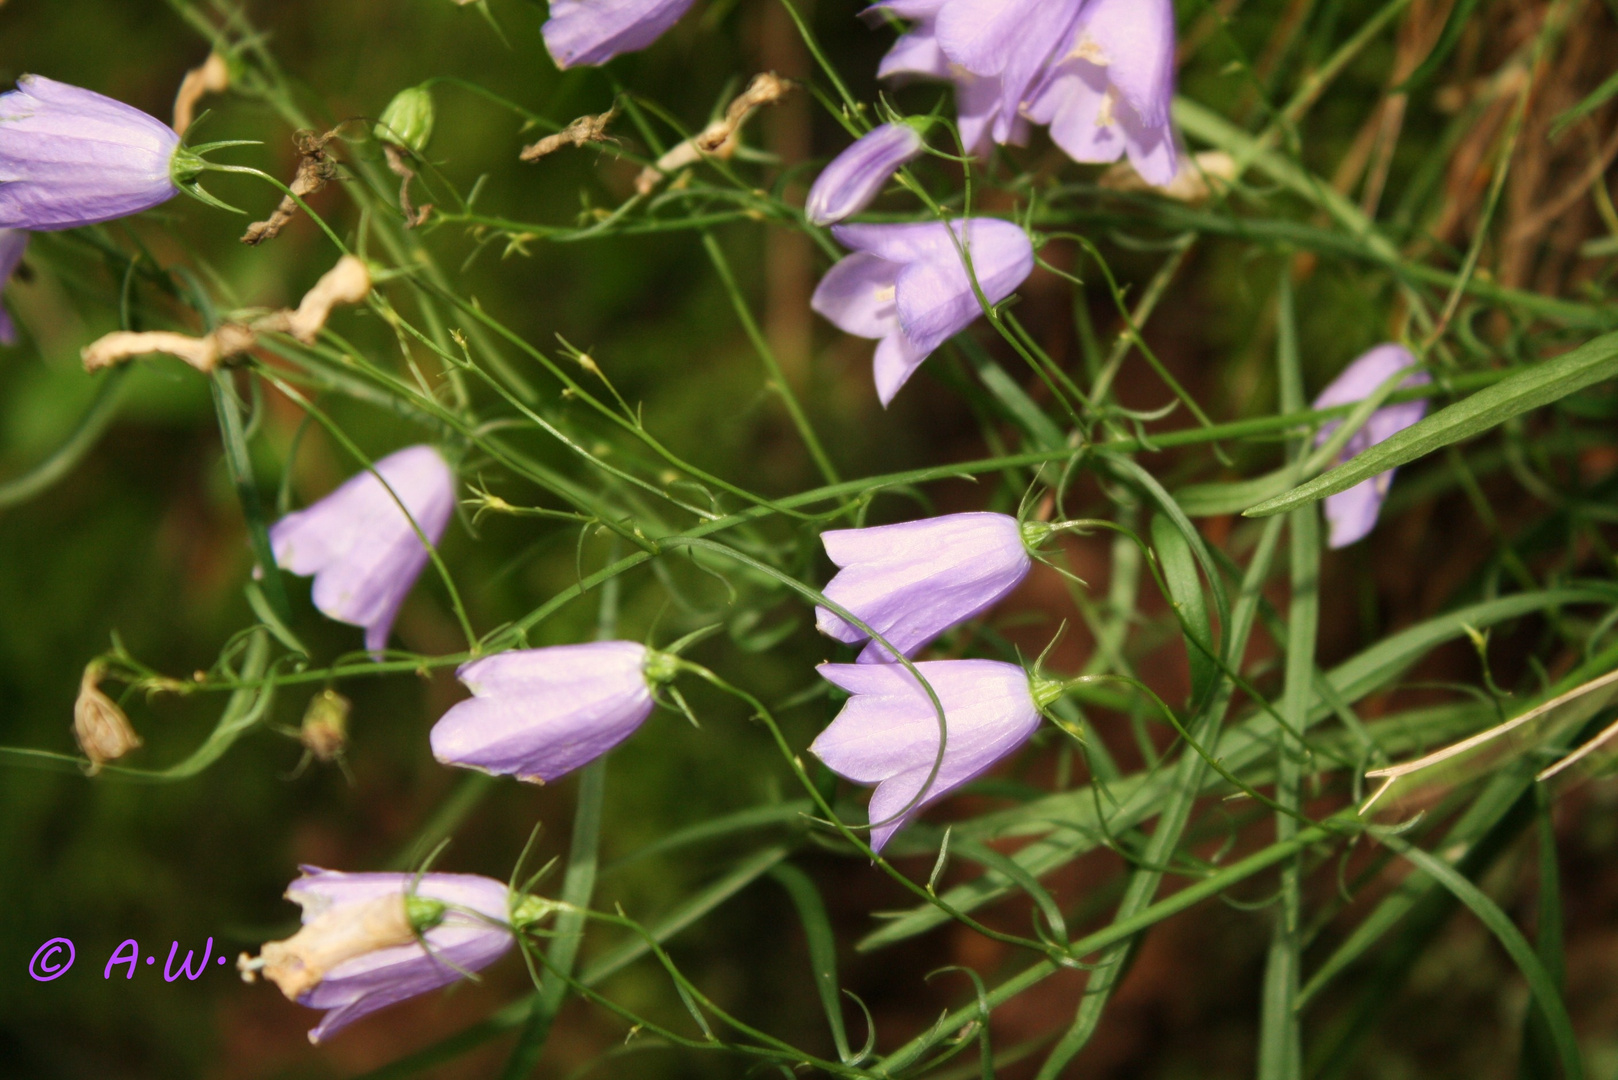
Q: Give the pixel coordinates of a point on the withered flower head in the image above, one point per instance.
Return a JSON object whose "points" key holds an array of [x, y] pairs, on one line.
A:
{"points": [[99, 725]]}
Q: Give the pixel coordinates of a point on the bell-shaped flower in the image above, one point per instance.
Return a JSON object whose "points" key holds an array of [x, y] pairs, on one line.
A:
{"points": [[538, 714], [857, 175], [888, 732], [13, 242], [592, 32], [360, 544], [907, 286], [369, 940], [912, 581], [1108, 92], [1010, 42], [979, 102], [1351, 514], [71, 157]]}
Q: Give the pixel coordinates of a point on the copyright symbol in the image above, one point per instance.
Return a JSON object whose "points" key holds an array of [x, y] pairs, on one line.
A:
{"points": [[47, 963]]}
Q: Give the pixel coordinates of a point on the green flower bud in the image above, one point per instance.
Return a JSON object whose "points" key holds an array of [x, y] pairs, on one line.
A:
{"points": [[325, 725], [408, 120]]}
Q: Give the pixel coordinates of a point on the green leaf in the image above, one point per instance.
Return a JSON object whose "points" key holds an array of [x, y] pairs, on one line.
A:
{"points": [[1185, 589], [1542, 384], [822, 948], [1539, 979]]}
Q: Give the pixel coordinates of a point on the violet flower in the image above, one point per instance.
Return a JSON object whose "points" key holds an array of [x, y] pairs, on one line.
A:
{"points": [[1009, 41], [979, 102], [912, 581], [1352, 514], [1109, 92], [592, 32], [361, 947], [359, 544], [539, 714], [887, 733], [13, 242], [907, 286], [857, 175], [71, 157]]}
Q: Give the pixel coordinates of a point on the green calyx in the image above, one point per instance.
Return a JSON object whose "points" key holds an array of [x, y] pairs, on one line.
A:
{"points": [[185, 166], [660, 667], [532, 911], [188, 164], [1045, 691], [424, 913], [1036, 533]]}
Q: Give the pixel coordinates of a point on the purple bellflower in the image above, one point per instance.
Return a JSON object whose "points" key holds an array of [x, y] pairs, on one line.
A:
{"points": [[13, 242], [71, 157], [369, 940], [360, 546], [1109, 92], [538, 714], [1352, 514], [887, 733], [1010, 42], [907, 286], [591, 32], [912, 581], [857, 175], [918, 55]]}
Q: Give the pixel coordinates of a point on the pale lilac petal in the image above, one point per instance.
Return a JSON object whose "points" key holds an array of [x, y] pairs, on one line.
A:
{"points": [[1109, 92], [929, 289], [857, 296], [594, 31], [913, 580], [71, 157], [360, 546], [471, 937], [984, 36], [539, 714], [904, 9], [1367, 372], [1352, 514], [1136, 40], [887, 733], [896, 359], [1071, 102], [915, 55], [13, 242], [858, 175], [935, 297]]}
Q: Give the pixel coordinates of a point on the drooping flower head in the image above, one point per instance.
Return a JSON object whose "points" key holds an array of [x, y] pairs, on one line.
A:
{"points": [[13, 242], [538, 714], [359, 544], [907, 286], [1107, 93], [887, 733], [912, 581], [1352, 514], [858, 174], [369, 940], [917, 54], [592, 32], [71, 157], [1010, 42]]}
